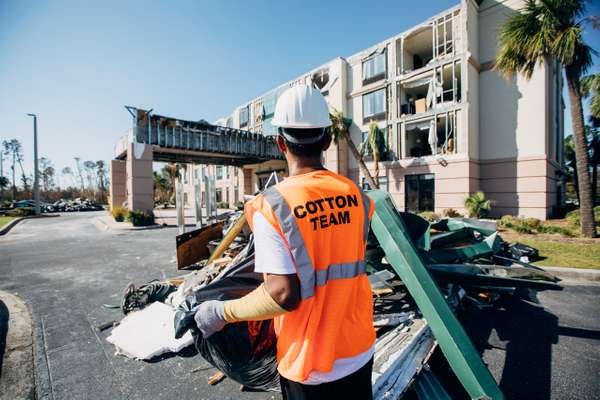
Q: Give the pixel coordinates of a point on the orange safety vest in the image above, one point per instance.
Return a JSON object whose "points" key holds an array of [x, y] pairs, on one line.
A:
{"points": [[324, 219]]}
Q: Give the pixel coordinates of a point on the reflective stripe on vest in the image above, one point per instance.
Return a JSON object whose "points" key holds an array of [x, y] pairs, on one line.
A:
{"points": [[309, 278], [367, 206]]}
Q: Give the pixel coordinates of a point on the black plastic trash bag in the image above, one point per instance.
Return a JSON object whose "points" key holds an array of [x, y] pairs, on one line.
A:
{"points": [[245, 351]]}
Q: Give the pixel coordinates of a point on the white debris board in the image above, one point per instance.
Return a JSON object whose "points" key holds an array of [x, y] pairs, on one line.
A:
{"points": [[148, 333]]}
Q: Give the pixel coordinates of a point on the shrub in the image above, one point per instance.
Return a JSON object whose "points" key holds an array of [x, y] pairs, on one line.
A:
{"points": [[140, 218], [574, 217], [451, 213], [222, 204], [21, 212], [119, 213], [429, 216], [522, 228], [555, 229], [508, 221], [477, 205], [532, 223]]}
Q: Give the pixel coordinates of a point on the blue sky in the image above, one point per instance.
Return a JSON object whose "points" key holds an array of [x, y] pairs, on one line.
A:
{"points": [[77, 63]]}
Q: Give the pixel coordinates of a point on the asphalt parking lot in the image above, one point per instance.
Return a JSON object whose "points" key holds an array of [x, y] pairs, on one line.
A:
{"points": [[543, 346]]}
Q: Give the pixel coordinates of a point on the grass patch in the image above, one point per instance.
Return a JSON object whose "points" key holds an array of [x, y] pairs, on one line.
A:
{"points": [[5, 220], [565, 254]]}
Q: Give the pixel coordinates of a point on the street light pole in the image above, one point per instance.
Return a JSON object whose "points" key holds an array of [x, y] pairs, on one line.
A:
{"points": [[36, 185]]}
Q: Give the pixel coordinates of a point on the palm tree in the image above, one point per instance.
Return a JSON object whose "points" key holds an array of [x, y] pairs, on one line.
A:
{"points": [[13, 148], [340, 130], [590, 85], [374, 145], [101, 174], [4, 182], [548, 30], [68, 172], [171, 171], [477, 205]]}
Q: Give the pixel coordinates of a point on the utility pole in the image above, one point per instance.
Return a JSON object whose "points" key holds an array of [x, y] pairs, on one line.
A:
{"points": [[36, 183]]}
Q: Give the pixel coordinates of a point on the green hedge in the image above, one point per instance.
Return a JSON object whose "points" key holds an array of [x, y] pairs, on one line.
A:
{"points": [[140, 218]]}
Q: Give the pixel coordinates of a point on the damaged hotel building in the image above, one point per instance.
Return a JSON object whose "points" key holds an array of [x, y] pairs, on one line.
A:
{"points": [[453, 125]]}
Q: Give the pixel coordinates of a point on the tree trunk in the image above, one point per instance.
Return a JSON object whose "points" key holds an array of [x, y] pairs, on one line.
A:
{"points": [[588, 226], [14, 189], [376, 158], [361, 164], [576, 184], [594, 184]]}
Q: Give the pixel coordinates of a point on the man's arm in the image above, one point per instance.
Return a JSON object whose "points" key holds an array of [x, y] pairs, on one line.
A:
{"points": [[280, 292], [276, 296], [284, 289]]}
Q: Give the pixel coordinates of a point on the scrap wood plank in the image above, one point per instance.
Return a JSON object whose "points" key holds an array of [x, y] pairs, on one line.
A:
{"points": [[191, 246], [216, 378], [382, 291]]}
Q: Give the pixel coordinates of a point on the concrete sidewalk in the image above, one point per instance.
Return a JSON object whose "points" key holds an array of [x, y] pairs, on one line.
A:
{"points": [[575, 274], [16, 349]]}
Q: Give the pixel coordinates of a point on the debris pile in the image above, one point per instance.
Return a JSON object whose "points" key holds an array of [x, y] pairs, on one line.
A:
{"points": [[470, 262]]}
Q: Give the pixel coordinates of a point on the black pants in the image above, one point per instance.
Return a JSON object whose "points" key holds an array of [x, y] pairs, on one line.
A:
{"points": [[355, 386]]}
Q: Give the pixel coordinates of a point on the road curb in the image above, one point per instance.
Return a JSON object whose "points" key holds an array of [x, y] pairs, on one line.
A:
{"points": [[6, 228], [108, 223], [583, 274], [18, 374]]}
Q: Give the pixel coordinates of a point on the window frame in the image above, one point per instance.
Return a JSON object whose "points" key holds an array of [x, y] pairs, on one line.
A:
{"points": [[379, 115], [379, 76], [245, 109]]}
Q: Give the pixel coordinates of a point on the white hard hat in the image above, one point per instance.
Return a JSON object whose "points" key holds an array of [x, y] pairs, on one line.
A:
{"points": [[301, 107]]}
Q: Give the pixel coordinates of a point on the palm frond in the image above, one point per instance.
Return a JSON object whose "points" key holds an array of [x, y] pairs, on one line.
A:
{"points": [[340, 125], [374, 144], [541, 30], [590, 86]]}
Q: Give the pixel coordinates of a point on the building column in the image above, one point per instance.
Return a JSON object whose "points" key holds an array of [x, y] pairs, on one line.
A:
{"points": [[140, 185], [118, 183], [248, 187]]}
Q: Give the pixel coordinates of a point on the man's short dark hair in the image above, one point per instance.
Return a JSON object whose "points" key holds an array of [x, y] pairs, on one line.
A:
{"points": [[312, 150]]}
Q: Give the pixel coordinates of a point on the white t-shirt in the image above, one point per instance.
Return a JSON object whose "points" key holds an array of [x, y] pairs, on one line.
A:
{"points": [[272, 256]]}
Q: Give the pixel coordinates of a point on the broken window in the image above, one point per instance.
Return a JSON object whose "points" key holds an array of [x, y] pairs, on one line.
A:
{"points": [[374, 105], [320, 79], [444, 36], [432, 136], [374, 68], [449, 77], [417, 50], [413, 95], [446, 133], [429, 42], [418, 135], [244, 116]]}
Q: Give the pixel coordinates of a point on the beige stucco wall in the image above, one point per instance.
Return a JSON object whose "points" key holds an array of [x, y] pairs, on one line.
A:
{"points": [[453, 182], [140, 184], [118, 183]]}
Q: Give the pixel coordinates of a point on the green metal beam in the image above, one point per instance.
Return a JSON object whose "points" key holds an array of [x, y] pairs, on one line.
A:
{"points": [[452, 338]]}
